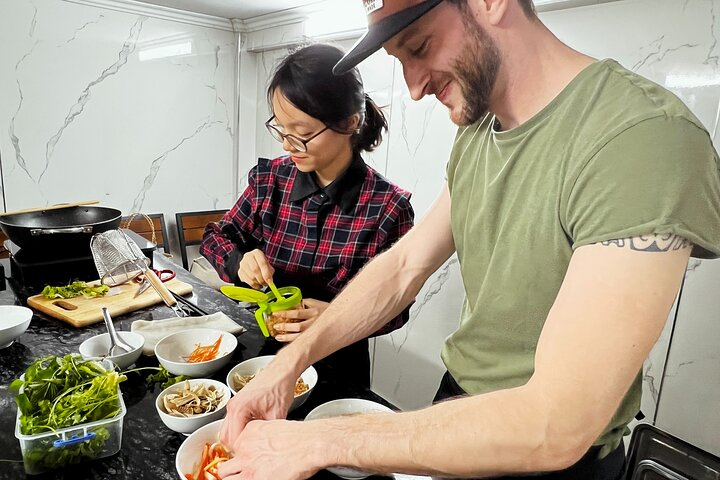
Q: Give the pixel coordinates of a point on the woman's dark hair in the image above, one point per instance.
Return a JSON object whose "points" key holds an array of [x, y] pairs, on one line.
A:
{"points": [[306, 80]]}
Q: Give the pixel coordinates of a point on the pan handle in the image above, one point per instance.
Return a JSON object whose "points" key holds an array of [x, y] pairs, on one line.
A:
{"points": [[49, 231]]}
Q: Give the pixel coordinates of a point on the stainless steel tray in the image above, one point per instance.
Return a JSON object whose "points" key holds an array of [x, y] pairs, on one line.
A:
{"points": [[657, 455]]}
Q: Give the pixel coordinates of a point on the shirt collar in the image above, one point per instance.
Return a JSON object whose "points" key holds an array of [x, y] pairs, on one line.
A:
{"points": [[344, 191]]}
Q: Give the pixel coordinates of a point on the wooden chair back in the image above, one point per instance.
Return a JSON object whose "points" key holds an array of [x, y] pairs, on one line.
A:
{"points": [[191, 226]]}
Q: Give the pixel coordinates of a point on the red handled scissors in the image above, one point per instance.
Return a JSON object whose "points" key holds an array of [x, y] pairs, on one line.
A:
{"points": [[164, 275]]}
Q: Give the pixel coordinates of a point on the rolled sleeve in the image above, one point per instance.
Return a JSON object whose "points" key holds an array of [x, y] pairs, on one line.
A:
{"points": [[657, 177]]}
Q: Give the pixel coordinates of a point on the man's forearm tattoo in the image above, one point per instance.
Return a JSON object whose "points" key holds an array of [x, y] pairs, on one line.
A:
{"points": [[664, 242]]}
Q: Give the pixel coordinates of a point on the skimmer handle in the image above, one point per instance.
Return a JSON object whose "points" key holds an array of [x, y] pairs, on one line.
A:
{"points": [[160, 288]]}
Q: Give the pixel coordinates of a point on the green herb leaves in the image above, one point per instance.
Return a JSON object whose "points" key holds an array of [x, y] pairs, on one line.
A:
{"points": [[45, 457], [164, 376], [75, 289], [60, 392]]}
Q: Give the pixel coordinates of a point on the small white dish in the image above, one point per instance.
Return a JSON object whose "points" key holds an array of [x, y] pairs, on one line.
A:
{"points": [[14, 320], [346, 406], [254, 365], [98, 346], [189, 453], [172, 350], [187, 425]]}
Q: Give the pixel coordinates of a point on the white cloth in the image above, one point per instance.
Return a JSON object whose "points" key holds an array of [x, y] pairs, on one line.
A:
{"points": [[202, 269], [153, 331]]}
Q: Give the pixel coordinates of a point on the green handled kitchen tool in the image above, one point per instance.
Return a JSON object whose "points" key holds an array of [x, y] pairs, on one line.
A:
{"points": [[283, 298], [274, 290]]}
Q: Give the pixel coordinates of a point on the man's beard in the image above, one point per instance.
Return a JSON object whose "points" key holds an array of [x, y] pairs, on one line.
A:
{"points": [[476, 70]]}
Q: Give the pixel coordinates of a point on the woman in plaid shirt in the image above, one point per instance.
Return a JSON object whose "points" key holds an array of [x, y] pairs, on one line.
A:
{"points": [[314, 217]]}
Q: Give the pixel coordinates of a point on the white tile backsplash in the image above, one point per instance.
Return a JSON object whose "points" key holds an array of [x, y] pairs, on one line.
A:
{"points": [[136, 112], [690, 392]]}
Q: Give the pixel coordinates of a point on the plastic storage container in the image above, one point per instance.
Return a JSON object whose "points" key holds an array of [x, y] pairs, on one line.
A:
{"points": [[72, 445]]}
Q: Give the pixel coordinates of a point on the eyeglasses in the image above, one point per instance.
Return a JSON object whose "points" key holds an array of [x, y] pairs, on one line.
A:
{"points": [[299, 144]]}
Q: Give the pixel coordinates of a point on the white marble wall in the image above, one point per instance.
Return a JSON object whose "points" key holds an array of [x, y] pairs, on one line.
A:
{"points": [[406, 363], [131, 110], [690, 394], [673, 42]]}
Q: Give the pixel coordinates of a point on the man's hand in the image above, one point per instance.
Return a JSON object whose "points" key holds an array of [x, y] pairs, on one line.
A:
{"points": [[255, 270], [301, 319], [277, 450], [267, 396]]}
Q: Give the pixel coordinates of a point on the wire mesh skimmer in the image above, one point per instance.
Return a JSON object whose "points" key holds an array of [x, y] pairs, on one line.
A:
{"points": [[118, 259]]}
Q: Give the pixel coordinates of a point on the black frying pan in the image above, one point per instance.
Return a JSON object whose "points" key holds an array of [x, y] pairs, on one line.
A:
{"points": [[59, 230]]}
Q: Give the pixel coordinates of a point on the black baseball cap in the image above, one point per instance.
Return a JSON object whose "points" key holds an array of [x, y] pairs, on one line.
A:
{"points": [[382, 26]]}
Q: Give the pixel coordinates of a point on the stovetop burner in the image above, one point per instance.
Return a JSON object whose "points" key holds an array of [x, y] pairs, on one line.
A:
{"points": [[30, 271]]}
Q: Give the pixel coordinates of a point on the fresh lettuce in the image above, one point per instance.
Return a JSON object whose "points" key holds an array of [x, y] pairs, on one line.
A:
{"points": [[74, 289], [60, 392]]}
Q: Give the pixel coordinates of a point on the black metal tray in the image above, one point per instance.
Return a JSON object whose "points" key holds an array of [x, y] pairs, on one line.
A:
{"points": [[657, 455]]}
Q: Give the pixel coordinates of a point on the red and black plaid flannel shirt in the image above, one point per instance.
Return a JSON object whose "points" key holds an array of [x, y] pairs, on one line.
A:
{"points": [[315, 238]]}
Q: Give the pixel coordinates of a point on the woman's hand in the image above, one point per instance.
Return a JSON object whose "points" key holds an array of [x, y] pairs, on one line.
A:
{"points": [[299, 319], [255, 270]]}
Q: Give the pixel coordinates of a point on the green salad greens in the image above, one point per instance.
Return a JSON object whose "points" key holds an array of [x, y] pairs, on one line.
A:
{"points": [[74, 289], [59, 392], [44, 456], [165, 377]]}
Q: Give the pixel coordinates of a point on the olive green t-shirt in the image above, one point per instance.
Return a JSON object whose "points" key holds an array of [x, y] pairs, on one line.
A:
{"points": [[613, 156]]}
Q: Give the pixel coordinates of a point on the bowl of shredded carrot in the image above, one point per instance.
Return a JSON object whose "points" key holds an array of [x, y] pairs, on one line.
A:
{"points": [[201, 453], [197, 352]]}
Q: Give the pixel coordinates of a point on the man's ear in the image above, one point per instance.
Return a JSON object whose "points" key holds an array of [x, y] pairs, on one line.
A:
{"points": [[494, 10]]}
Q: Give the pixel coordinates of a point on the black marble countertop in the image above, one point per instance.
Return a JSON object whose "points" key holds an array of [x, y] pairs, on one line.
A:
{"points": [[148, 446]]}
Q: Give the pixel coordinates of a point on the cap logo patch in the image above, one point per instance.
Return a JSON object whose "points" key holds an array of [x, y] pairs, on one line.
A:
{"points": [[372, 5]]}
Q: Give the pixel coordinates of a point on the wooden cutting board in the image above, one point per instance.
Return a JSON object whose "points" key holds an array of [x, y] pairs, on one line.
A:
{"points": [[119, 300]]}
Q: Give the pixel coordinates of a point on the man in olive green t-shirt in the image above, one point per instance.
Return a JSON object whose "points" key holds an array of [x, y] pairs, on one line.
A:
{"points": [[576, 193], [632, 163]]}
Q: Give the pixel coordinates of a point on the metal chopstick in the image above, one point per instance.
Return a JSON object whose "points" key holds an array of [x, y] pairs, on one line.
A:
{"points": [[189, 304]]}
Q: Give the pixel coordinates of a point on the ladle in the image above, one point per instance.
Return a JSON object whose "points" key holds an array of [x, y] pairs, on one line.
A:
{"points": [[117, 346]]}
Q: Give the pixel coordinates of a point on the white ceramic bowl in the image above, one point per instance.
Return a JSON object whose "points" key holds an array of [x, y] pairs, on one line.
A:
{"points": [[189, 453], [14, 320], [187, 425], [98, 346], [171, 349], [346, 406], [254, 365]]}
